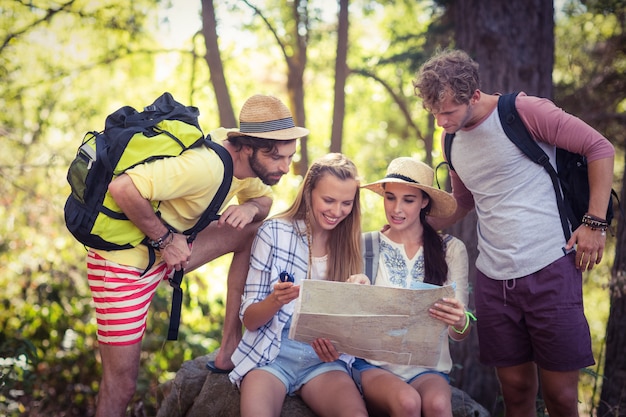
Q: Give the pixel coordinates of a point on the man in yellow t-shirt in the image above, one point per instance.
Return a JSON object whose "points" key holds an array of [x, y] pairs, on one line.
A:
{"points": [[261, 150]]}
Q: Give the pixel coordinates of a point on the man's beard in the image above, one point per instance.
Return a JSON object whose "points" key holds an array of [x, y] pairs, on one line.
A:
{"points": [[469, 113], [268, 178]]}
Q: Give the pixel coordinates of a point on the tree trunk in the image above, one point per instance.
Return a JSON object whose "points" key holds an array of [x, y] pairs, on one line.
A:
{"points": [[613, 397], [296, 64], [341, 73], [214, 61], [513, 42], [294, 50]]}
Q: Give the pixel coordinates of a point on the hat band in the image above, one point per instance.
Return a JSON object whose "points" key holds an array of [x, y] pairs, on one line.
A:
{"points": [[268, 126], [402, 177]]}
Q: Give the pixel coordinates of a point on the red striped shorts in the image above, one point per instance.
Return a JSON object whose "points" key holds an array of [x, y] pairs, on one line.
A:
{"points": [[122, 296]]}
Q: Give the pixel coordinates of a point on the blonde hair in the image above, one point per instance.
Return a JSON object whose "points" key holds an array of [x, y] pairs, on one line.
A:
{"points": [[344, 242]]}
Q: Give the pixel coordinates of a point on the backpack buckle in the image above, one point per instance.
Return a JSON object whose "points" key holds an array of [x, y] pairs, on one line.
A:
{"points": [[176, 279]]}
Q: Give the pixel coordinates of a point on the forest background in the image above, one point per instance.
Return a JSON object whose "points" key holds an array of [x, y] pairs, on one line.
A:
{"points": [[345, 70]]}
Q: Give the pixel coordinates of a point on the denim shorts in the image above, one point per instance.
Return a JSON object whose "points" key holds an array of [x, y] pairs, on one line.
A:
{"points": [[539, 317], [359, 365], [297, 363]]}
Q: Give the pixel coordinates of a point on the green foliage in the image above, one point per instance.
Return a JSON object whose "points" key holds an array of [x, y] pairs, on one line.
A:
{"points": [[18, 359], [596, 301], [590, 67], [49, 314], [589, 81], [56, 84], [65, 66]]}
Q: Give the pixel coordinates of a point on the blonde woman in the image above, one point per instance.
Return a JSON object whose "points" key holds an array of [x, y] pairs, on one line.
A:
{"points": [[318, 237]]}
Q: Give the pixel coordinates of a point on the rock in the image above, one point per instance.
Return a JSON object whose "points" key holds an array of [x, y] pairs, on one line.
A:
{"points": [[197, 392], [464, 406]]}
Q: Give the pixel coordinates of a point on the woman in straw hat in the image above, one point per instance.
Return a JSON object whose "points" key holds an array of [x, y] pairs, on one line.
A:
{"points": [[414, 255], [318, 237]]}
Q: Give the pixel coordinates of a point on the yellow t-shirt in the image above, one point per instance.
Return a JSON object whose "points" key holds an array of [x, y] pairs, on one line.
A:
{"points": [[185, 185]]}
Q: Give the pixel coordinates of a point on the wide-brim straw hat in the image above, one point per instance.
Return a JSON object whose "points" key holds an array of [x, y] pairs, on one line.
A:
{"points": [[414, 173], [267, 117]]}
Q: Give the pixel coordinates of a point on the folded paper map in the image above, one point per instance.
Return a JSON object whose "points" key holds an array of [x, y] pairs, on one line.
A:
{"points": [[379, 323]]}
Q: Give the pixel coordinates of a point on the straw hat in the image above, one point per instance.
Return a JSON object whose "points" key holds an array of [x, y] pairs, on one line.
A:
{"points": [[268, 118], [414, 173]]}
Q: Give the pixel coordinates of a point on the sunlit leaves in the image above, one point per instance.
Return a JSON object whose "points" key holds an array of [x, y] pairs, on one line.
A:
{"points": [[65, 65]]}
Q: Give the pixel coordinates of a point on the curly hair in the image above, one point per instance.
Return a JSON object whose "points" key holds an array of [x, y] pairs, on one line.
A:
{"points": [[448, 73]]}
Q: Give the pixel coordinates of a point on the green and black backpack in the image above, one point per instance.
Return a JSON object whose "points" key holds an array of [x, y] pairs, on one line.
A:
{"points": [[166, 128]]}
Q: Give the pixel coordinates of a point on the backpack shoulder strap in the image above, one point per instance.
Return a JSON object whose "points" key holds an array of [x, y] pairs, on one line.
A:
{"points": [[209, 215], [518, 134], [371, 250], [447, 147]]}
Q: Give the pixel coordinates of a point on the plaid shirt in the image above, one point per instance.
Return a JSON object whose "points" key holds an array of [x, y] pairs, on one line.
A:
{"points": [[280, 245]]}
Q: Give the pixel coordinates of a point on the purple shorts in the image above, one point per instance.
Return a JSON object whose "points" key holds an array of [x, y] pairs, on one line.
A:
{"points": [[539, 317]]}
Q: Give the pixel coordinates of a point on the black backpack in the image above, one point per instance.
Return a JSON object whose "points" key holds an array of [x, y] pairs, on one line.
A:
{"points": [[570, 176], [164, 129]]}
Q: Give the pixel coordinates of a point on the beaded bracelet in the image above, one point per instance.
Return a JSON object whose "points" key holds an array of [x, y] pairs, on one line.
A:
{"points": [[595, 223], [470, 317], [164, 245], [592, 217], [160, 243]]}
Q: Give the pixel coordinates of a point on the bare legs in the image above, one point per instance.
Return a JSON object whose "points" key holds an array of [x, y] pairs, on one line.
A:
{"points": [[334, 394], [231, 333], [429, 395], [329, 394], [519, 389], [210, 244], [262, 395], [560, 392], [120, 367]]}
